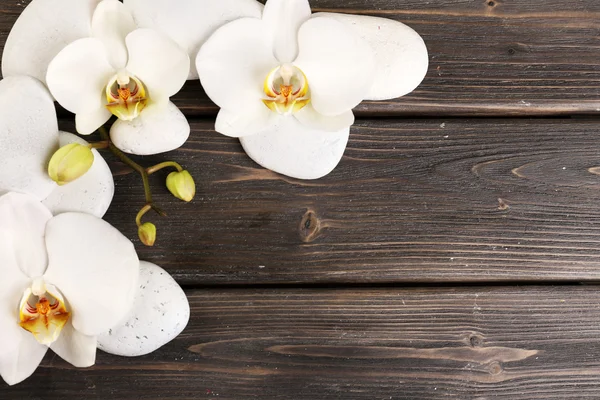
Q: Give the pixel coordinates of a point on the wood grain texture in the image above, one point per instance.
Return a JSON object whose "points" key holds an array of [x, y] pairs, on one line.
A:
{"points": [[411, 201], [464, 343], [500, 57]]}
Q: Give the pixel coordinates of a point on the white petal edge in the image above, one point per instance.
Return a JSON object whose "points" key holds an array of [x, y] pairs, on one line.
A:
{"points": [[250, 122], [159, 314], [23, 222], [111, 23], [89, 122], [284, 18], [158, 129], [190, 23], [310, 118], [296, 151], [95, 267], [20, 353], [339, 65], [75, 348], [234, 62], [91, 194], [160, 64], [42, 30], [79, 74], [28, 136], [22, 254], [401, 55]]}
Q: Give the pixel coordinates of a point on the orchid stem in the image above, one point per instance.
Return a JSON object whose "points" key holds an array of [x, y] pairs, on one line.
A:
{"points": [[136, 167], [166, 164], [100, 145], [143, 211]]}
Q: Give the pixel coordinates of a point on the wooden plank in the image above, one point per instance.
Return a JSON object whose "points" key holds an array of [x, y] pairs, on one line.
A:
{"points": [[500, 57], [465, 343], [412, 201]]}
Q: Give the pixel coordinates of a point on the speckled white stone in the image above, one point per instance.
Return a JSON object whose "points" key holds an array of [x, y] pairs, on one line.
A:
{"points": [[158, 129], [190, 23], [400, 54], [295, 150], [160, 313]]}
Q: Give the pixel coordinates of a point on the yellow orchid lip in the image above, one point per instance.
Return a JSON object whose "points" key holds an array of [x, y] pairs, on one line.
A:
{"points": [[126, 97], [43, 314], [286, 88]]}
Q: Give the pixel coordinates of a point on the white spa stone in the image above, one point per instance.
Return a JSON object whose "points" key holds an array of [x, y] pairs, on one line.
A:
{"points": [[400, 53], [160, 313], [158, 129], [297, 151]]}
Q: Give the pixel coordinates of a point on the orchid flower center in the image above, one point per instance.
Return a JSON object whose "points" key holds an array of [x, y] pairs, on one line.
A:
{"points": [[286, 88], [126, 96], [43, 312]]}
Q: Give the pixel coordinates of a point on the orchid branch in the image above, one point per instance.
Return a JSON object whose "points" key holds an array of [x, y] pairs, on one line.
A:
{"points": [[180, 184]]}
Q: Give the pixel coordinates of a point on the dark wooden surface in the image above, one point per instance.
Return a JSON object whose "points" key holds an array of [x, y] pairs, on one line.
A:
{"points": [[500, 57], [466, 343], [441, 259], [412, 201]]}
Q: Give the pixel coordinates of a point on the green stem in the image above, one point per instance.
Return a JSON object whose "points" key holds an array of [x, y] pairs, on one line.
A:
{"points": [[100, 145], [143, 211], [136, 167], [166, 164]]}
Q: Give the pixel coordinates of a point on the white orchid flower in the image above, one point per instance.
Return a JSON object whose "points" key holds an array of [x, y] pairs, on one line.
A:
{"points": [[65, 280], [29, 136], [97, 62], [287, 82]]}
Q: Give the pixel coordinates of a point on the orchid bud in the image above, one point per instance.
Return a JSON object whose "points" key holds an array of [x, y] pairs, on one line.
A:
{"points": [[147, 233], [181, 185], [70, 162]]}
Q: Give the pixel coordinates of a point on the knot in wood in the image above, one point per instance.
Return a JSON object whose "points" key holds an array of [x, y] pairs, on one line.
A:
{"points": [[495, 368], [310, 226], [476, 341]]}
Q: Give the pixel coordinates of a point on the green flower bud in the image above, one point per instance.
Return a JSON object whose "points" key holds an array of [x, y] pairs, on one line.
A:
{"points": [[181, 185], [70, 162], [147, 233]]}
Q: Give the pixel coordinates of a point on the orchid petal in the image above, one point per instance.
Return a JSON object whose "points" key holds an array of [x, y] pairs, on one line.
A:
{"points": [[339, 65], [75, 348], [234, 62], [297, 151], [89, 122], [28, 136], [20, 353], [79, 74], [284, 18], [22, 252], [95, 267], [310, 118], [190, 23], [160, 128], [91, 194], [158, 62], [43, 29], [23, 222], [401, 55], [111, 23], [252, 121]]}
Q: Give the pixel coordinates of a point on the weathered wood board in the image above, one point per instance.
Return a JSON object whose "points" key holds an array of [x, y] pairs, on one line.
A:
{"points": [[464, 343], [412, 201], [505, 57]]}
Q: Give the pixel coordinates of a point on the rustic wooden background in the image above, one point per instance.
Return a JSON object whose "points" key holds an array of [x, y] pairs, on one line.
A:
{"points": [[453, 253]]}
